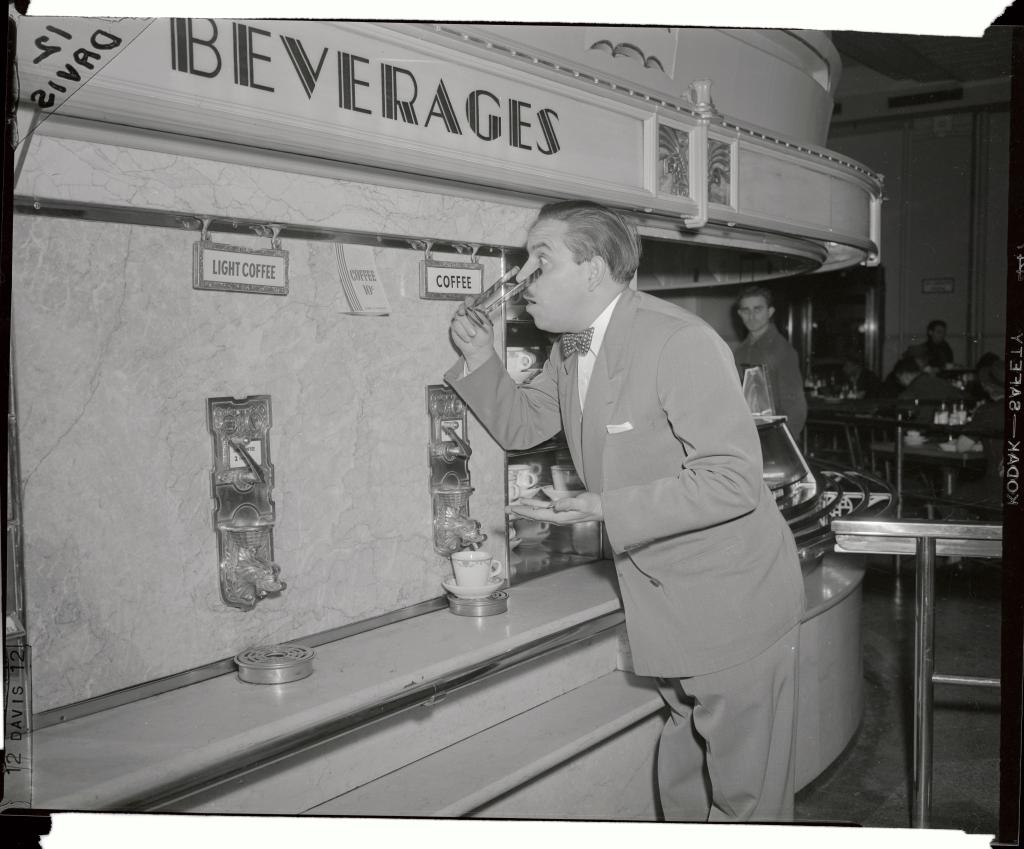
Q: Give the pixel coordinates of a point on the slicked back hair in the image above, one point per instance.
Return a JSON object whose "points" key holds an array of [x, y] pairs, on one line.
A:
{"points": [[595, 230]]}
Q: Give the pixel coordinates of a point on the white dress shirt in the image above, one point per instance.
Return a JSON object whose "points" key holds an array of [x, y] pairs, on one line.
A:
{"points": [[585, 364]]}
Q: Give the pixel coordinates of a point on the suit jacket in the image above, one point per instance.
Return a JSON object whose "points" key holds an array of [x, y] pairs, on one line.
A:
{"points": [[782, 365], [707, 567]]}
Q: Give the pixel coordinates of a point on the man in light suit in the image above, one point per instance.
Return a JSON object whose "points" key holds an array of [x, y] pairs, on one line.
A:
{"points": [[655, 420]]}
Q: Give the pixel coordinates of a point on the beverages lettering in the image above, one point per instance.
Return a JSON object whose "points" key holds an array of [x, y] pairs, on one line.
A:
{"points": [[198, 48]]}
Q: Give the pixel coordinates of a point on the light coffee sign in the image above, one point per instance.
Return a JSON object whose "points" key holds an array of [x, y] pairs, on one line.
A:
{"points": [[236, 269]]}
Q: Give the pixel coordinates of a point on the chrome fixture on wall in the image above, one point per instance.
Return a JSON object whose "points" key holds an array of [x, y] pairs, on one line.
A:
{"points": [[449, 453], [243, 478]]}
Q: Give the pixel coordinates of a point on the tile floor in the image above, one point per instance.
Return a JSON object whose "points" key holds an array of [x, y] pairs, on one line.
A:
{"points": [[870, 782]]}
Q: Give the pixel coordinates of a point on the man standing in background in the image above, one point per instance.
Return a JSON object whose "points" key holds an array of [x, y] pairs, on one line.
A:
{"points": [[766, 346], [934, 353], [654, 417]]}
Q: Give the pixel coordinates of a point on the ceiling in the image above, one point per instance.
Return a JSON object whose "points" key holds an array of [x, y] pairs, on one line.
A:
{"points": [[871, 59]]}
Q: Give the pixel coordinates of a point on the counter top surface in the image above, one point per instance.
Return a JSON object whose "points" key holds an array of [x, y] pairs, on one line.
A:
{"points": [[92, 762], [86, 763]]}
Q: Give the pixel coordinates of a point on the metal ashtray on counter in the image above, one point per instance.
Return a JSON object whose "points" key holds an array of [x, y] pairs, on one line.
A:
{"points": [[496, 602], [275, 664]]}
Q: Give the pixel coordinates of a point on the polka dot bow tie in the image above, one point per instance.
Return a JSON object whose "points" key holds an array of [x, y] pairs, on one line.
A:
{"points": [[576, 343]]}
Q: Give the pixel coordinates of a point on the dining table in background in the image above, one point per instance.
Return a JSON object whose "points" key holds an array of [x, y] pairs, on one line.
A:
{"points": [[857, 425], [928, 453]]}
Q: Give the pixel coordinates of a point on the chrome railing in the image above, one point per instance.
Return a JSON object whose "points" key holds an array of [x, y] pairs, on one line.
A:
{"points": [[926, 539]]}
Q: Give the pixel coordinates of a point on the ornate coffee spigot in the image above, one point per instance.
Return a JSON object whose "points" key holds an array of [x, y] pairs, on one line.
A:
{"points": [[243, 478], [449, 453], [454, 529], [455, 448], [247, 574]]}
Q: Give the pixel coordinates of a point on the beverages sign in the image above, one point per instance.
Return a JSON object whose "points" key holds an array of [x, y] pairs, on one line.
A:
{"points": [[369, 94], [362, 82]]}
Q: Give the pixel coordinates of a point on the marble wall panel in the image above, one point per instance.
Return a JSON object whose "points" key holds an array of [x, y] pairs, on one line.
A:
{"points": [[116, 355], [76, 170]]}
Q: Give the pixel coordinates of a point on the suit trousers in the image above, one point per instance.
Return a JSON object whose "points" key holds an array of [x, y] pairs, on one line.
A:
{"points": [[727, 752]]}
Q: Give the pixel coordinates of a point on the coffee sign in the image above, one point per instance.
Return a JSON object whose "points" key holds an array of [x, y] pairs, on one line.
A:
{"points": [[450, 280]]}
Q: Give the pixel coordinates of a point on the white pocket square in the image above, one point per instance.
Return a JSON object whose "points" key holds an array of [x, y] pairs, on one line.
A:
{"points": [[619, 428]]}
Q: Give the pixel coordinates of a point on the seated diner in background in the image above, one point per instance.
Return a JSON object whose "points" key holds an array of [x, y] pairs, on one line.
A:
{"points": [[926, 390], [986, 492], [989, 373], [864, 382]]}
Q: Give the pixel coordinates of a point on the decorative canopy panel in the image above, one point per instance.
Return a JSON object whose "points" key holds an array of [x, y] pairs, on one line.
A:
{"points": [[708, 136]]}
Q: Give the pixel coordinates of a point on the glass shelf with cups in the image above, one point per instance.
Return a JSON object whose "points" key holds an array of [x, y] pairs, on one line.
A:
{"points": [[537, 547]]}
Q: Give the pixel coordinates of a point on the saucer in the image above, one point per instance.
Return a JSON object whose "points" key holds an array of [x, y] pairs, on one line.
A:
{"points": [[556, 494], [910, 441], [473, 592], [526, 493], [526, 375]]}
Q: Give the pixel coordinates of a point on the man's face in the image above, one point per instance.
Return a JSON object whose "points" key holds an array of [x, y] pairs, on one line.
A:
{"points": [[556, 297], [755, 313], [937, 333]]}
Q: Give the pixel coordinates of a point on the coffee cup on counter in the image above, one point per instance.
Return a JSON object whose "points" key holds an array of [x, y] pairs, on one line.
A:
{"points": [[474, 568]]}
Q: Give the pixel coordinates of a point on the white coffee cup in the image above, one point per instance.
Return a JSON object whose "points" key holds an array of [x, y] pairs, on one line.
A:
{"points": [[520, 359], [523, 476], [516, 491], [474, 568], [565, 478]]}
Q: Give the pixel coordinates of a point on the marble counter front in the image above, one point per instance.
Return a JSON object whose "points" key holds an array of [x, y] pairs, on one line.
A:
{"points": [[93, 763]]}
